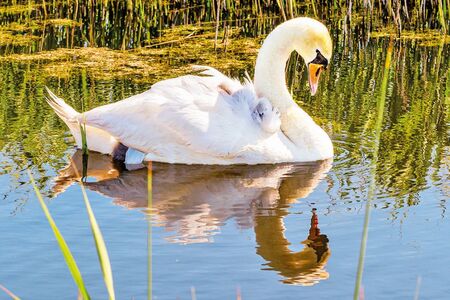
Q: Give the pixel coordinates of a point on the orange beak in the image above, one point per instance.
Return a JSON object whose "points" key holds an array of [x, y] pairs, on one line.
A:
{"points": [[314, 71]]}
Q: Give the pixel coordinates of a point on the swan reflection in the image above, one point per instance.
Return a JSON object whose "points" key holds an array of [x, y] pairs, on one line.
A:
{"points": [[193, 202]]}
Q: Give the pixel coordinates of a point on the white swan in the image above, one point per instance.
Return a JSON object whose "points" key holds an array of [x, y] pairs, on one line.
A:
{"points": [[213, 119]]}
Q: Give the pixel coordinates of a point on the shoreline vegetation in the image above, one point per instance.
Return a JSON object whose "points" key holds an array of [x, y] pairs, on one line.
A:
{"points": [[143, 39]]}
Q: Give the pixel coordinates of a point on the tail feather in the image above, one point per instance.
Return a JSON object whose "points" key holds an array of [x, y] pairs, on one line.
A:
{"points": [[62, 109], [97, 139]]}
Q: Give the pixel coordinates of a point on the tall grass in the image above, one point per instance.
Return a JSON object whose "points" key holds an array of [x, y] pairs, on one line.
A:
{"points": [[373, 166], [9, 293], [84, 148], [100, 245], [124, 24], [67, 254], [149, 238]]}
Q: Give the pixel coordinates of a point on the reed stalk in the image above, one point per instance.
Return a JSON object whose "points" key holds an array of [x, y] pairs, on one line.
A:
{"points": [[84, 146], [281, 7], [314, 8], [9, 293], [373, 167], [67, 254], [149, 230], [100, 245], [132, 24], [98, 239], [442, 16], [217, 23]]}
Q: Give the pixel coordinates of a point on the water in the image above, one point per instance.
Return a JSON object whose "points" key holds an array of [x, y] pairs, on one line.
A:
{"points": [[264, 232]]}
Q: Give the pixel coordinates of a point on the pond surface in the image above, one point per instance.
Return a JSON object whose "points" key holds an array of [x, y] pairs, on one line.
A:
{"points": [[264, 232]]}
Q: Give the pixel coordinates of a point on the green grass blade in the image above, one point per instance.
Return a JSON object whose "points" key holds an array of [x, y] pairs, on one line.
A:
{"points": [[9, 293], [373, 165], [84, 146], [102, 251], [68, 257], [149, 220]]}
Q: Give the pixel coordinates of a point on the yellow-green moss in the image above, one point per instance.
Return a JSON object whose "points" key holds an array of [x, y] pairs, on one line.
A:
{"points": [[8, 38], [21, 27], [17, 9], [146, 63], [425, 38], [62, 22]]}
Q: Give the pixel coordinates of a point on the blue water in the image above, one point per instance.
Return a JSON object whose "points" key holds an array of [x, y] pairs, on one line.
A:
{"points": [[221, 260]]}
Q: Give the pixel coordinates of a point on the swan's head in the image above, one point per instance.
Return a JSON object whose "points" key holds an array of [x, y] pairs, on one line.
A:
{"points": [[313, 43], [308, 37]]}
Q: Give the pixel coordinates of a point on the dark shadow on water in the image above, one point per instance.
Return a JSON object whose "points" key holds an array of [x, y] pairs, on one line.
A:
{"points": [[193, 202]]}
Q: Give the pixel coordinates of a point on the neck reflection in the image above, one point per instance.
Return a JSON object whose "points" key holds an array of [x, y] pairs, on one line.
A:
{"points": [[193, 202], [306, 267]]}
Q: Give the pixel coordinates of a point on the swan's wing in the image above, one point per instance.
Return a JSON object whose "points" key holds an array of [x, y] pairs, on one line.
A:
{"points": [[179, 116]]}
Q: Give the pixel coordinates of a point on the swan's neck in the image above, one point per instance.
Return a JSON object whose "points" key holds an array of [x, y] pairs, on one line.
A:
{"points": [[270, 82], [270, 74]]}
